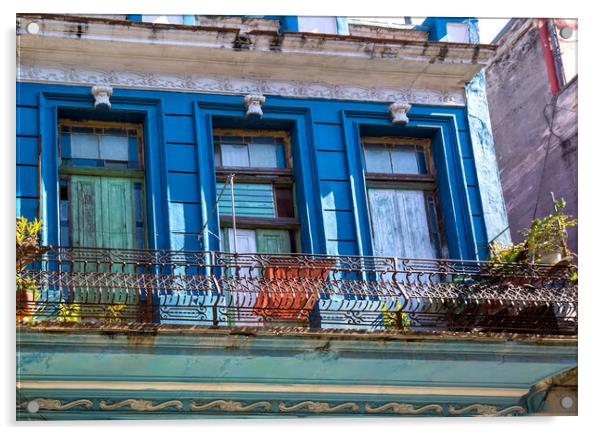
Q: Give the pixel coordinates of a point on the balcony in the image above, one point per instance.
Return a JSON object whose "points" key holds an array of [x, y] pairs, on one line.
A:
{"points": [[96, 286]]}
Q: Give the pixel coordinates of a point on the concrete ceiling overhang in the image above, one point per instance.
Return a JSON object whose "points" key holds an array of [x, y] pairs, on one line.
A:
{"points": [[265, 55]]}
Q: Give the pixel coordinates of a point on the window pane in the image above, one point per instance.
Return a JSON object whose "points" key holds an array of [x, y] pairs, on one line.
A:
{"points": [[217, 155], [114, 148], [422, 166], [377, 158], [284, 202], [84, 146], [263, 155], [404, 159], [235, 155]]}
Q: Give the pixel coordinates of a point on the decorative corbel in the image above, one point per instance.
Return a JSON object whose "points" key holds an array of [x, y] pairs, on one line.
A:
{"points": [[253, 103], [101, 96], [399, 112]]}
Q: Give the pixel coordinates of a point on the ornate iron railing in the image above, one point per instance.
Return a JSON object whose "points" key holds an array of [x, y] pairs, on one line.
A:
{"points": [[317, 291]]}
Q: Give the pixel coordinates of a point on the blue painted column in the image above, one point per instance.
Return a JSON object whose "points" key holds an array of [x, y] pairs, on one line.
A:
{"points": [[342, 26], [481, 136], [189, 20], [289, 23]]}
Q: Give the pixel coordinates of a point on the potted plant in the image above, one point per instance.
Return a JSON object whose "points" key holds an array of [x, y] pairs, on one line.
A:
{"points": [[28, 251], [546, 239]]}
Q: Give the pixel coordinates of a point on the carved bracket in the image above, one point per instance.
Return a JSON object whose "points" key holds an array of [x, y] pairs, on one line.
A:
{"points": [[399, 112], [101, 96], [253, 103]]}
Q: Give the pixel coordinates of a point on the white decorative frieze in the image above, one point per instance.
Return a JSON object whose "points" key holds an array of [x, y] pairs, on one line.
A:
{"points": [[231, 85], [253, 103], [102, 94], [399, 112]]}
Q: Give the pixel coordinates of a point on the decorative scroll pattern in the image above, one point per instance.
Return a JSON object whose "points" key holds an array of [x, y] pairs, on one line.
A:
{"points": [[230, 406], [318, 407], [57, 405], [378, 293], [404, 408], [486, 410], [140, 405], [306, 406], [232, 85]]}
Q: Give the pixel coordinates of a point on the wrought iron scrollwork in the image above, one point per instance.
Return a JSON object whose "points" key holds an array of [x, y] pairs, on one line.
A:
{"points": [[263, 290]]}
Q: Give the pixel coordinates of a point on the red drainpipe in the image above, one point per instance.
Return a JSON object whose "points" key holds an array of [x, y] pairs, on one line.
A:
{"points": [[548, 55]]}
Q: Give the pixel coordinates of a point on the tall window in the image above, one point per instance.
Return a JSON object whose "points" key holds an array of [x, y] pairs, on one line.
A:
{"points": [[101, 184], [261, 163], [402, 197]]}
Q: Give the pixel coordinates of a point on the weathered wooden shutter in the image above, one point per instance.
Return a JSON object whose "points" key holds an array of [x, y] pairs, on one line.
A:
{"points": [[118, 213], [252, 200], [400, 223], [102, 212], [273, 241], [86, 211]]}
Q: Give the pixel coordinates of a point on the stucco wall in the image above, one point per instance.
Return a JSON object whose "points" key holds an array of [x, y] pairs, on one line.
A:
{"points": [[520, 99]]}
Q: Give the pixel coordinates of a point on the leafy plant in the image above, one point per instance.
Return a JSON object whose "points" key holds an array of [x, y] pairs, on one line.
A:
{"points": [[28, 250], [513, 253], [396, 320], [114, 312], [27, 243], [549, 235], [68, 312]]}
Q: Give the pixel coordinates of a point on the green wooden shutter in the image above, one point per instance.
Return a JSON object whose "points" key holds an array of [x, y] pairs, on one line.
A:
{"points": [[273, 241], [118, 213], [86, 211], [102, 212]]}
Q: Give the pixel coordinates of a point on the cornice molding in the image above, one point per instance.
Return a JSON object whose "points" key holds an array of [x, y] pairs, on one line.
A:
{"points": [[65, 75]]}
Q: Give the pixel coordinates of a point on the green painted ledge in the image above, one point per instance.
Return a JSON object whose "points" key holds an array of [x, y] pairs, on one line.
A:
{"points": [[171, 371]]}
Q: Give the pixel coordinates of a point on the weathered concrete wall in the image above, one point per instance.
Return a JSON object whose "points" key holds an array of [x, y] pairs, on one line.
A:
{"points": [[535, 134]]}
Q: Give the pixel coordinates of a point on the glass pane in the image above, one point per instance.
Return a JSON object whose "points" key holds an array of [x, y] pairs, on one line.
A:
{"points": [[377, 158], [284, 202], [422, 166], [138, 202], [84, 146], [217, 155], [404, 159], [114, 148], [65, 145], [263, 156], [235, 155]]}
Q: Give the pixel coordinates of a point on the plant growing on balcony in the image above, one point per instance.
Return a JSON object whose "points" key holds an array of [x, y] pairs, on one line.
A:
{"points": [[545, 237], [28, 250], [113, 313], [548, 235], [396, 320], [68, 312]]}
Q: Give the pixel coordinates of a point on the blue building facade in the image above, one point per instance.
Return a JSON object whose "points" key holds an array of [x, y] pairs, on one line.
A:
{"points": [[330, 186], [251, 135]]}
